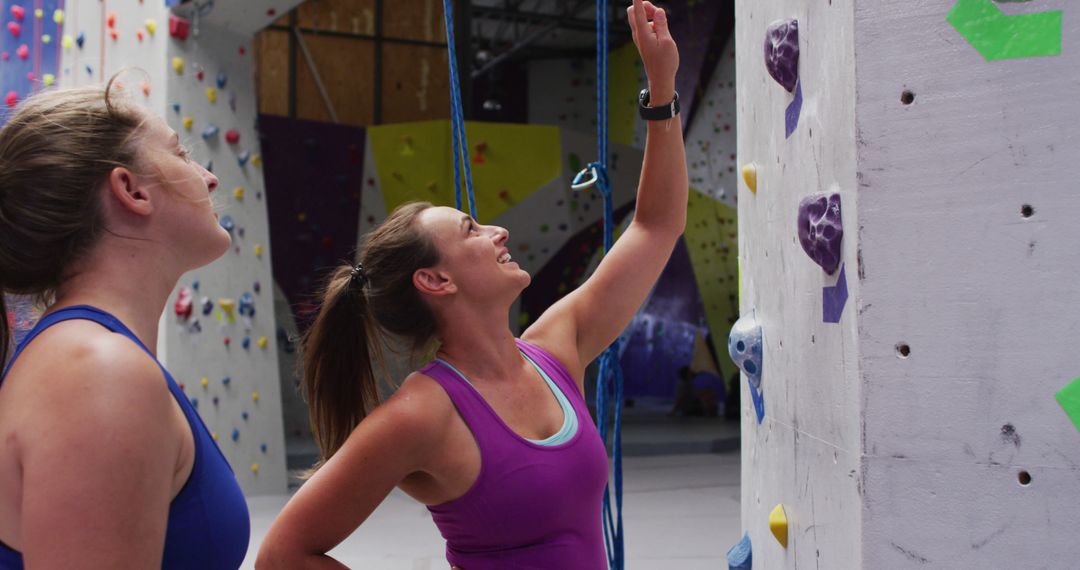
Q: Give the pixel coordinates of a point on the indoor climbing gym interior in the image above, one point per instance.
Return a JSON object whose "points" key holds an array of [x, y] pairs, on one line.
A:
{"points": [[862, 352]]}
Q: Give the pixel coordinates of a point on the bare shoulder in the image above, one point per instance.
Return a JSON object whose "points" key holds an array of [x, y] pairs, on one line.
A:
{"points": [[419, 404], [556, 334], [77, 376]]}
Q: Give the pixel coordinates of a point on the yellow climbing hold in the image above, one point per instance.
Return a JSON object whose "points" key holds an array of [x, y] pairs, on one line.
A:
{"points": [[188, 123], [258, 250], [151, 26], [211, 94], [48, 79], [254, 396], [213, 435], [39, 13], [262, 341], [238, 193], [256, 160], [255, 468], [204, 381], [178, 64], [46, 39], [58, 16], [778, 524], [749, 175], [227, 305], [67, 41]]}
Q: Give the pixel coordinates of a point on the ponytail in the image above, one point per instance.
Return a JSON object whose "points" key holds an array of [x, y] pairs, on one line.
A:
{"points": [[338, 379], [363, 311]]}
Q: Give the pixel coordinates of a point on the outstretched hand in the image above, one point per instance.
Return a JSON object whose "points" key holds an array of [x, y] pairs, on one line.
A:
{"points": [[658, 51]]}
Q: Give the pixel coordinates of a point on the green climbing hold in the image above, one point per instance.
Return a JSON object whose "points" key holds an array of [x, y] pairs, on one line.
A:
{"points": [[1069, 398], [575, 163], [998, 36]]}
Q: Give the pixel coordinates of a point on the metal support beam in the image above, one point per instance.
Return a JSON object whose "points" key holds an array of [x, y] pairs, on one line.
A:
{"points": [[615, 27], [378, 67], [529, 40], [292, 64], [315, 75]]}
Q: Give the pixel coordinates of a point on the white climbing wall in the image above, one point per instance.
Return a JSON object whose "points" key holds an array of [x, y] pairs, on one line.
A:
{"points": [[921, 431], [984, 297], [207, 79], [806, 454]]}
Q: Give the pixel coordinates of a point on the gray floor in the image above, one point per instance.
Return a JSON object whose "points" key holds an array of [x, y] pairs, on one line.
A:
{"points": [[681, 512]]}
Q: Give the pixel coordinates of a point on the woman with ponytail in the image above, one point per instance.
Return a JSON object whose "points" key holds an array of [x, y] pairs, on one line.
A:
{"points": [[493, 435], [104, 464]]}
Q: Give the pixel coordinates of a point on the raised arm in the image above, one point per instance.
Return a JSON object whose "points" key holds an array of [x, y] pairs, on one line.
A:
{"points": [[589, 319]]}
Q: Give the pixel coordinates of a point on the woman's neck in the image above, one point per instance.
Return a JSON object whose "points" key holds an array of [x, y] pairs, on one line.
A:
{"points": [[125, 280]]}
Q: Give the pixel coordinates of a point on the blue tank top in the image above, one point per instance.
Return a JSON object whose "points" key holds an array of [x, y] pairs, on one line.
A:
{"points": [[208, 524]]}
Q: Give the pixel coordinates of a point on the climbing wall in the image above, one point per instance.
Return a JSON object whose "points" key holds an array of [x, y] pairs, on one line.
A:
{"points": [[218, 334], [921, 411], [226, 351], [804, 451], [968, 179]]}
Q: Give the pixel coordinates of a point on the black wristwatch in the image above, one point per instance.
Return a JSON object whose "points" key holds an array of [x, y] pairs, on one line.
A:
{"points": [[662, 113]]}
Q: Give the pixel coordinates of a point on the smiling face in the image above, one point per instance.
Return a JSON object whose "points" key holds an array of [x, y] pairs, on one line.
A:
{"points": [[474, 256], [184, 215]]}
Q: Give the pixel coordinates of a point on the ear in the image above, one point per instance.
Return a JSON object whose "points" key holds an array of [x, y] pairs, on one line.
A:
{"points": [[430, 281], [129, 191]]}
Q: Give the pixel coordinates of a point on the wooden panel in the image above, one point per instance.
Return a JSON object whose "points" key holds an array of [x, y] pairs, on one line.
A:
{"points": [[414, 20], [352, 16], [415, 83], [271, 55], [347, 69]]}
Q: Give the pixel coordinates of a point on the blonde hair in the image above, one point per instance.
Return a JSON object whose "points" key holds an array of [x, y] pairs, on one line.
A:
{"points": [[56, 150]]}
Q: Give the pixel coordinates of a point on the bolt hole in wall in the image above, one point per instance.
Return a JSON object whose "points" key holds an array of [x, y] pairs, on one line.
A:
{"points": [[903, 350], [907, 97], [1027, 211], [1024, 478]]}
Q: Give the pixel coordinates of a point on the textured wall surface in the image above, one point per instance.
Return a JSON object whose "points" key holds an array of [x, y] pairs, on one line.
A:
{"points": [[983, 297], [806, 454]]}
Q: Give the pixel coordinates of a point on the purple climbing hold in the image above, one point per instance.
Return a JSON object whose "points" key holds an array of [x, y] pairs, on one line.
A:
{"points": [[782, 52], [821, 229]]}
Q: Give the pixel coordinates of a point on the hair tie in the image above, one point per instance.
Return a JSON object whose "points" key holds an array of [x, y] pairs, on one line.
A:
{"points": [[358, 278]]}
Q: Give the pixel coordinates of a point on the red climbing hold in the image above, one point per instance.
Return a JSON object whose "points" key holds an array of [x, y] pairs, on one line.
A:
{"points": [[18, 12], [23, 52], [232, 136], [179, 27], [15, 28], [11, 99]]}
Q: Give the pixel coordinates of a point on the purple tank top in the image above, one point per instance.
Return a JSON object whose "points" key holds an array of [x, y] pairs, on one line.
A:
{"points": [[532, 507]]}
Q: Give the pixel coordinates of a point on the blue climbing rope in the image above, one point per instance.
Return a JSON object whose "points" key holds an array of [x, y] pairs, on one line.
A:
{"points": [[609, 381], [458, 139]]}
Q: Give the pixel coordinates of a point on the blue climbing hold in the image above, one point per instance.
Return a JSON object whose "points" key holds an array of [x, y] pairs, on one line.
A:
{"points": [[228, 223], [221, 79], [242, 158], [235, 434], [176, 108], [195, 285], [741, 556], [744, 346], [244, 415], [194, 402], [210, 132], [80, 40], [262, 448], [246, 305], [226, 380], [246, 343]]}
